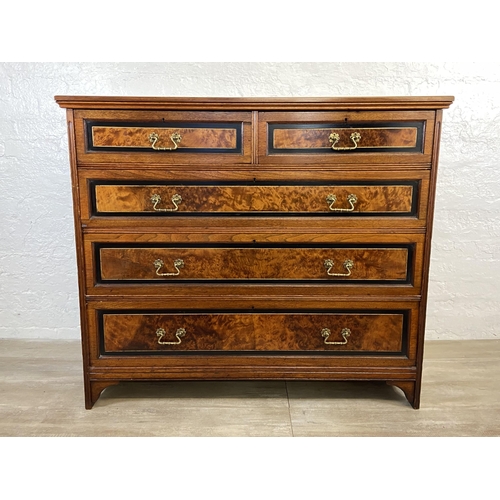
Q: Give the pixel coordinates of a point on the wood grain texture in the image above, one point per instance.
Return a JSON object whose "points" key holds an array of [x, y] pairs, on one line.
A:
{"points": [[217, 238], [252, 103], [243, 364], [118, 201], [253, 332], [214, 199], [255, 263], [212, 136], [273, 151], [138, 137], [311, 138]]}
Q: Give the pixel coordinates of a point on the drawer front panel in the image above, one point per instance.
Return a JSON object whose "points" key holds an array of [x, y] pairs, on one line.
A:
{"points": [[163, 138], [337, 138], [387, 265], [365, 332], [298, 138], [206, 137], [339, 199]]}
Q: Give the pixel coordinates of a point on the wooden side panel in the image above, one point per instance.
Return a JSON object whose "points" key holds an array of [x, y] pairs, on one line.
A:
{"points": [[253, 332]]}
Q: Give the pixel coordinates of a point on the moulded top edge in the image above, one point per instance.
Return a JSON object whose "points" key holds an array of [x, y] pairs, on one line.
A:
{"points": [[255, 103]]}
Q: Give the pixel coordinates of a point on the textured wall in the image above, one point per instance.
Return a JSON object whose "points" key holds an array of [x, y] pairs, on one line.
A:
{"points": [[38, 287]]}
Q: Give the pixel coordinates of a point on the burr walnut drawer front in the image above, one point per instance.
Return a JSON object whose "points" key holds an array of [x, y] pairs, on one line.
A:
{"points": [[163, 137], [365, 332], [390, 264], [362, 137], [371, 199]]}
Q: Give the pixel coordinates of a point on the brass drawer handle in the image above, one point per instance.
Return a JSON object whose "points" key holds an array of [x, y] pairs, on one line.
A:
{"points": [[175, 138], [334, 138], [325, 333], [348, 264], [161, 333], [178, 263], [331, 199], [156, 198]]}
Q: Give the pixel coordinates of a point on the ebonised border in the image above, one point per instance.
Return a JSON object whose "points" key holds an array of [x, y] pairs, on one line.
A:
{"points": [[410, 247], [413, 213], [238, 127], [406, 313], [419, 125]]}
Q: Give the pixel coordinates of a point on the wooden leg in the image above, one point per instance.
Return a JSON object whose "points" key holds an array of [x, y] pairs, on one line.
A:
{"points": [[95, 391], [408, 387]]}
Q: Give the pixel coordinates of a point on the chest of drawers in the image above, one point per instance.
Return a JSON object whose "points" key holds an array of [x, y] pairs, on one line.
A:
{"points": [[237, 239]]}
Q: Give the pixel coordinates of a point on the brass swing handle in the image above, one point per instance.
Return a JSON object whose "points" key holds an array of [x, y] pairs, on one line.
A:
{"points": [[178, 263], [334, 138], [156, 198], [325, 333], [348, 265], [331, 199], [175, 138], [181, 332]]}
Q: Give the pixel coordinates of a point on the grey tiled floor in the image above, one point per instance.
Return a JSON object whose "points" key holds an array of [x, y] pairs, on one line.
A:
{"points": [[41, 394]]}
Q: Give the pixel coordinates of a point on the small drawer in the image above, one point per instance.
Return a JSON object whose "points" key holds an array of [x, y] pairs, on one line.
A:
{"points": [[390, 198], [365, 332], [380, 264], [163, 137], [364, 137]]}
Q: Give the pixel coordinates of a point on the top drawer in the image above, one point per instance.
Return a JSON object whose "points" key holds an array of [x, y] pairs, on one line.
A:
{"points": [[345, 137], [163, 137]]}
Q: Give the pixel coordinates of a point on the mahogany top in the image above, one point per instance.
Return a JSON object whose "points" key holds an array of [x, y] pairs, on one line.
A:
{"points": [[260, 103]]}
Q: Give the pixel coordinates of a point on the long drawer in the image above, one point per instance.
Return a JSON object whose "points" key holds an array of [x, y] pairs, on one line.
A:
{"points": [[355, 198], [352, 264], [367, 332], [157, 197], [183, 262]]}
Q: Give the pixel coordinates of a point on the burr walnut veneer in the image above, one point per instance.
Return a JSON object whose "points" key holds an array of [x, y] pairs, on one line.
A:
{"points": [[228, 239]]}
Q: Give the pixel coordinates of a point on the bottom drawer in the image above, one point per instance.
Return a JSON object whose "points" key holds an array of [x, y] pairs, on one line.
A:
{"points": [[363, 332]]}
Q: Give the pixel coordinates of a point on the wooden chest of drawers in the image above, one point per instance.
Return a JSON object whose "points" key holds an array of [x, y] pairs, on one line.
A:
{"points": [[230, 239]]}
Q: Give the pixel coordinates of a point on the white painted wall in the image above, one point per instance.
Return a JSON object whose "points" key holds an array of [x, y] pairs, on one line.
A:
{"points": [[38, 286]]}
